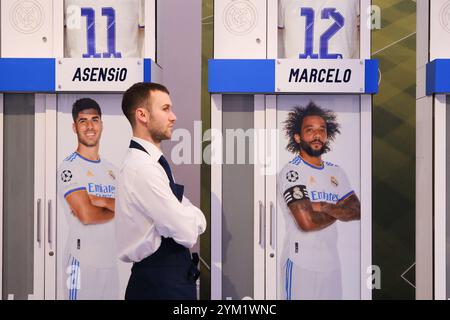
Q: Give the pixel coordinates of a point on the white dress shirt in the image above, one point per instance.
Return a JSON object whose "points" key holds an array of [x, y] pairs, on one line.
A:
{"points": [[147, 209]]}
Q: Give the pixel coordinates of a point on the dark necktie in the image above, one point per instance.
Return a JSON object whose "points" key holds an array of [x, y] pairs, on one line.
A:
{"points": [[177, 189]]}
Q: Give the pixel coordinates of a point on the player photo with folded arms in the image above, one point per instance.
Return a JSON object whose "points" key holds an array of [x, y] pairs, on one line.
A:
{"points": [[314, 195], [86, 188]]}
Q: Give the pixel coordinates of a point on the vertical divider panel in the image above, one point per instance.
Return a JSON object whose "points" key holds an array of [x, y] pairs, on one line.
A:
{"points": [[50, 197], [365, 29], [424, 160], [150, 30], [260, 211], [271, 166], [58, 28], [216, 196], [366, 157], [366, 195], [1, 194], [39, 198], [272, 29], [440, 207]]}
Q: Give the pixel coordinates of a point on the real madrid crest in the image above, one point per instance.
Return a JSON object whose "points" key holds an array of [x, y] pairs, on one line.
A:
{"points": [[334, 181], [27, 16], [111, 174], [240, 17]]}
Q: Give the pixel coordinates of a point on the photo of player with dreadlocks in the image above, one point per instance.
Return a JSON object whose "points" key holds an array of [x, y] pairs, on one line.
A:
{"points": [[315, 195]]}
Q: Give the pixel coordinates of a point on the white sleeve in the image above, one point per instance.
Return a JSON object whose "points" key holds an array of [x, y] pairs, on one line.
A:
{"points": [[187, 203], [114, 174], [182, 222], [292, 184], [345, 189], [69, 179], [281, 13]]}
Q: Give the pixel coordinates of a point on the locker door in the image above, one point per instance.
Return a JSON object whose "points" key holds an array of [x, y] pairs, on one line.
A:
{"points": [[47, 103], [23, 215], [240, 24], [238, 204], [28, 27]]}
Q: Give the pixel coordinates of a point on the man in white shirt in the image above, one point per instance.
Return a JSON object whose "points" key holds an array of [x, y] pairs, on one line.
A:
{"points": [[86, 188], [315, 194], [156, 225]]}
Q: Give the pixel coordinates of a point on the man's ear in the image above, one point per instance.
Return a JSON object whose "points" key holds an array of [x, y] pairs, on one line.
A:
{"points": [[297, 138], [140, 115], [74, 128]]}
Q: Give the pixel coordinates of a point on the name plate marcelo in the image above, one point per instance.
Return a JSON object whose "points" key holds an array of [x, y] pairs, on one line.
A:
{"points": [[98, 75], [318, 76]]}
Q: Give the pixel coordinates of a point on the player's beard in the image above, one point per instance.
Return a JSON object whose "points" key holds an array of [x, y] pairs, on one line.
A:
{"points": [[310, 151], [87, 143]]}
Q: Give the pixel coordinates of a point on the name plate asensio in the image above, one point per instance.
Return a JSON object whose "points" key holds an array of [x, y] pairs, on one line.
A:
{"points": [[318, 76], [98, 75]]}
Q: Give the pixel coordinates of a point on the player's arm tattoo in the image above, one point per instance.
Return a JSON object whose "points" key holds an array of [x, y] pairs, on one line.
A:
{"points": [[307, 218], [348, 209]]}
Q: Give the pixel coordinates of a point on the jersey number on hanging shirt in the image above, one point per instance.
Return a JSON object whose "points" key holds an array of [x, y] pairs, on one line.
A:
{"points": [[326, 14], [110, 15]]}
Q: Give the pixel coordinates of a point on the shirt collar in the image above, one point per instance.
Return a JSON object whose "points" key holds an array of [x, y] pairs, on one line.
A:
{"points": [[310, 164], [152, 150]]}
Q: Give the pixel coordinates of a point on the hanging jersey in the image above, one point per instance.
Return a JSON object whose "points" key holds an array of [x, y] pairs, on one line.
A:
{"points": [[319, 29], [103, 28], [312, 250], [92, 244]]}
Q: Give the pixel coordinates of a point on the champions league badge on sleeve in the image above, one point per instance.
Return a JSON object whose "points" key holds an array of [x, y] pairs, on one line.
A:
{"points": [[292, 176], [66, 176]]}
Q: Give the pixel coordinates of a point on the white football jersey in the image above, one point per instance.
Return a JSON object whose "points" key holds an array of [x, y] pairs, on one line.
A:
{"points": [[103, 28], [319, 29], [93, 244], [312, 250]]}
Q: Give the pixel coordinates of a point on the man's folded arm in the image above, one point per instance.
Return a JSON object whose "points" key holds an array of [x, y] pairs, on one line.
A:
{"points": [[172, 219]]}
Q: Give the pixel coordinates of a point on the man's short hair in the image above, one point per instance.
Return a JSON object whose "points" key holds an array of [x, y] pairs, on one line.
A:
{"points": [[84, 104], [294, 122], [137, 95]]}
